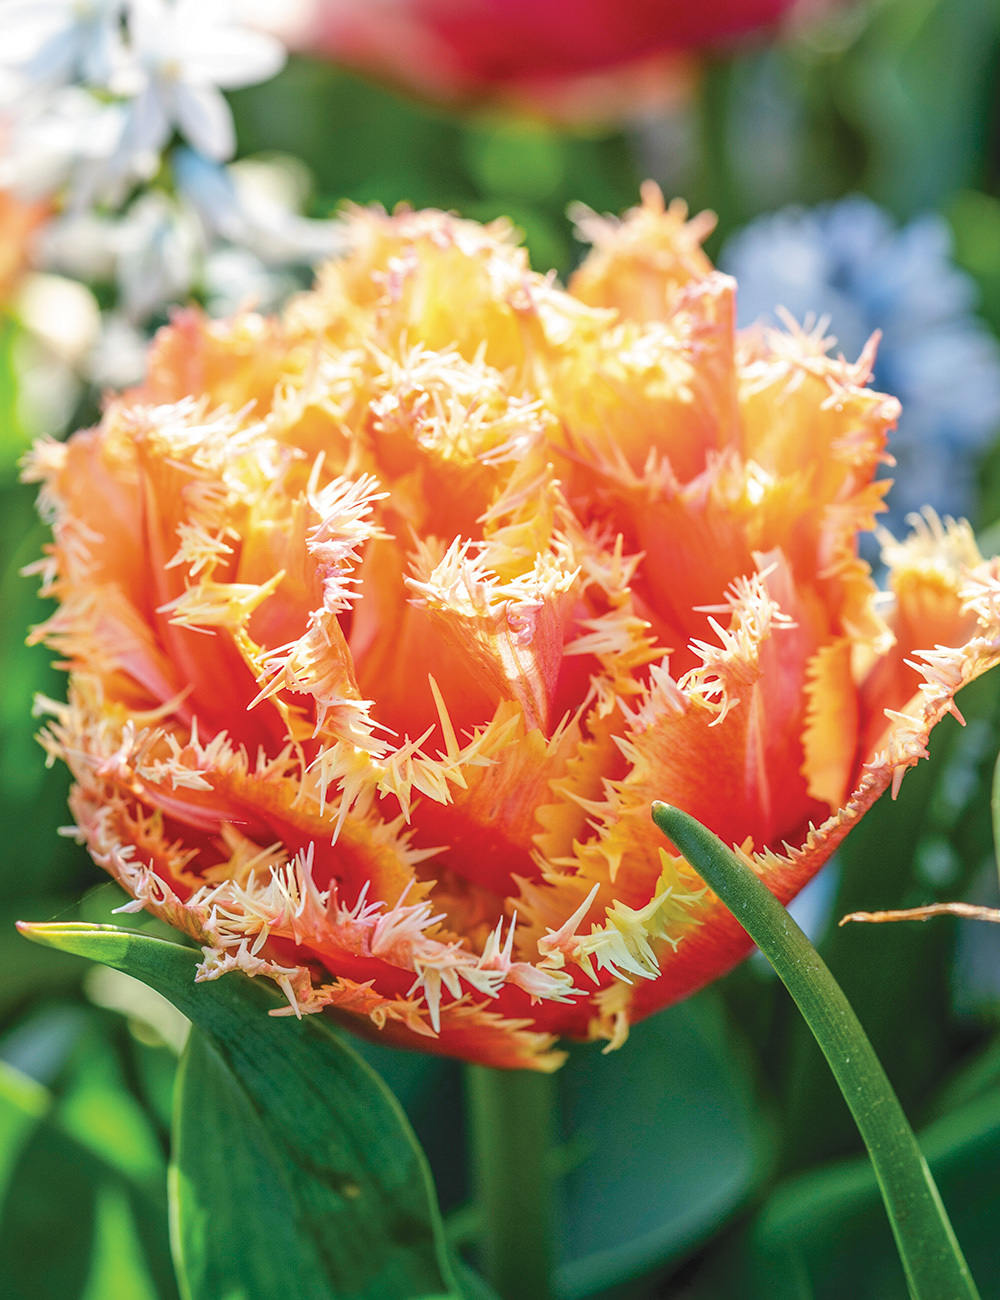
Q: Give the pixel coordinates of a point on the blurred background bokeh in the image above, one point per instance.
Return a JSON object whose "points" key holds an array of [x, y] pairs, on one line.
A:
{"points": [[852, 156]]}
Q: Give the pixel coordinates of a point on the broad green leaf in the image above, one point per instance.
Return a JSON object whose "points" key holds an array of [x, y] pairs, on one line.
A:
{"points": [[23, 1102], [71, 1228], [474, 1287], [47, 1218], [98, 1108], [669, 1142], [222, 1118], [234, 1193], [118, 1267], [430, 1090], [32, 796], [13, 438], [41, 1044], [281, 1116], [830, 1223]]}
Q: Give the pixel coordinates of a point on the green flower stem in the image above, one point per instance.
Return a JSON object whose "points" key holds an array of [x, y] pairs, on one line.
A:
{"points": [[932, 1258], [510, 1132]]}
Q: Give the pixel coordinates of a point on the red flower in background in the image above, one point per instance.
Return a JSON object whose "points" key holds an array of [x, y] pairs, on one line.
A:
{"points": [[533, 51]]}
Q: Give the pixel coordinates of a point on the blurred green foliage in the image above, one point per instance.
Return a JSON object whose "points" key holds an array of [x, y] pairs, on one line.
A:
{"points": [[712, 1156], [368, 145]]}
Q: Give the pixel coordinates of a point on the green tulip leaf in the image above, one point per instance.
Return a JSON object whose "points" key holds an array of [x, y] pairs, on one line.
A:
{"points": [[295, 1171], [72, 1227], [683, 1153], [474, 1287], [932, 1259], [23, 1102], [827, 1228], [48, 1215]]}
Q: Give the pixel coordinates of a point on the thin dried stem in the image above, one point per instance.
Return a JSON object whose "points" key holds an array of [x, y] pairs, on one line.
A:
{"points": [[969, 910]]}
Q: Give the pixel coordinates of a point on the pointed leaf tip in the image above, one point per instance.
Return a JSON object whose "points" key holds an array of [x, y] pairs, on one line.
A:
{"points": [[678, 826], [104, 943], [316, 1154], [661, 813]]}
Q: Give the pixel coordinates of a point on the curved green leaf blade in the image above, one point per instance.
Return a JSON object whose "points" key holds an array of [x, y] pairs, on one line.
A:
{"points": [[228, 1174], [684, 1153], [72, 1225], [474, 1287], [931, 1256], [278, 1117], [827, 1225], [48, 1217]]}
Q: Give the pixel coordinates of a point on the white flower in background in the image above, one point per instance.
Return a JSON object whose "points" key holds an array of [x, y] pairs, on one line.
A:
{"points": [[52, 41], [80, 244], [182, 55], [153, 254], [118, 357], [61, 321], [256, 203], [210, 189], [60, 313], [272, 193], [143, 69], [159, 247], [63, 140], [235, 279], [850, 262], [92, 96], [232, 235]]}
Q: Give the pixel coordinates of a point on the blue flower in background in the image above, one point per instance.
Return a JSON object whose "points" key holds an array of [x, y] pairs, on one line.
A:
{"points": [[850, 261]]}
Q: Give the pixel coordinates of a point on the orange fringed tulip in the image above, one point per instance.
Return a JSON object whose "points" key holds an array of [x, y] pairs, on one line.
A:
{"points": [[386, 621]]}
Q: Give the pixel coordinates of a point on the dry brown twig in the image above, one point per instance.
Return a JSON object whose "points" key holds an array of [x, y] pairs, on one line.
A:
{"points": [[968, 910]]}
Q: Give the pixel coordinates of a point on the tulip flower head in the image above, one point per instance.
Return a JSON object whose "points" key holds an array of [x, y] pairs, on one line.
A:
{"points": [[387, 620]]}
